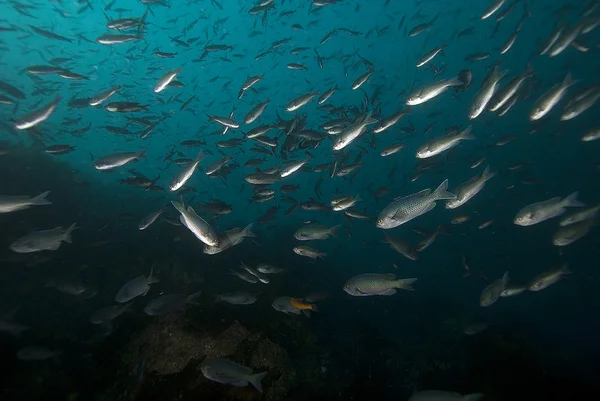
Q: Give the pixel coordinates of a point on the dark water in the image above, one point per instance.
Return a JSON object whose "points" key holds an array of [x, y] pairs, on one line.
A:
{"points": [[539, 345]]}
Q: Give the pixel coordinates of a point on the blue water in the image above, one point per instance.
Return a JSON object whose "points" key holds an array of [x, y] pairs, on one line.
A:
{"points": [[539, 345]]}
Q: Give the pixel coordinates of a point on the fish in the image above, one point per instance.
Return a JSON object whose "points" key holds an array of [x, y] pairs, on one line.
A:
{"points": [[494, 6], [538, 212], [300, 101], [12, 203], [224, 371], [404, 209], [169, 303], [402, 246], [269, 269], [186, 173], [370, 284], [237, 298], [315, 232], [512, 290], [108, 313], [149, 219], [548, 278], [301, 304], [166, 80], [229, 239], [436, 395], [443, 143], [256, 111], [37, 116], [309, 252], [467, 190], [549, 99], [353, 131], [46, 240], [36, 353], [584, 214], [284, 304], [135, 287], [197, 225], [430, 238], [491, 293], [485, 94], [119, 159], [568, 234], [431, 91]]}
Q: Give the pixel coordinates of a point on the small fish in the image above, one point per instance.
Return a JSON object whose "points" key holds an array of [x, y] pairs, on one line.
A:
{"points": [[10, 203], [135, 287], [409, 207], [117, 159], [46, 240], [186, 173], [237, 298], [37, 116], [436, 395], [315, 232], [225, 371], [166, 80], [197, 225], [549, 99], [546, 279], [443, 143], [567, 235], [542, 211], [491, 293], [169, 303], [309, 252], [369, 284]]}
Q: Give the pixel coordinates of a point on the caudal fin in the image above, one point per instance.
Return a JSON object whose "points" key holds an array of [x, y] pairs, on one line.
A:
{"points": [[247, 231], [487, 174], [41, 199], [255, 380], [67, 235], [441, 192], [472, 397], [571, 200], [405, 284], [333, 229], [466, 134]]}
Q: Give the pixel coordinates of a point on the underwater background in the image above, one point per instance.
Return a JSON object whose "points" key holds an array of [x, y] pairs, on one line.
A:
{"points": [[537, 345]]}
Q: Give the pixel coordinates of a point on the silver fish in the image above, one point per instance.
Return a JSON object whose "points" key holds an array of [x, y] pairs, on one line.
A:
{"points": [[402, 210]]}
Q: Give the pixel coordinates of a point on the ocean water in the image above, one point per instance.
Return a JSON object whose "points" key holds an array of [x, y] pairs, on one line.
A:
{"points": [[59, 342]]}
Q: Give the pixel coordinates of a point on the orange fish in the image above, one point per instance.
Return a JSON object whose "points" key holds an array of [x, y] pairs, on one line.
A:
{"points": [[298, 304]]}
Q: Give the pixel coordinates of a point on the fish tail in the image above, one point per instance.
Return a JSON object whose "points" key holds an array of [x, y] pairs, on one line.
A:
{"points": [[151, 277], [247, 231], [321, 255], [191, 299], [314, 308], [472, 397], [505, 279], [564, 269], [333, 229], [441, 192], [41, 199], [179, 206], [67, 235], [569, 81], [255, 380], [487, 174], [466, 134], [572, 201], [142, 154], [405, 284]]}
